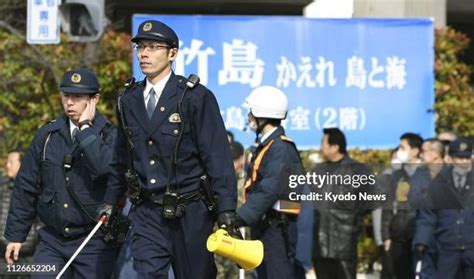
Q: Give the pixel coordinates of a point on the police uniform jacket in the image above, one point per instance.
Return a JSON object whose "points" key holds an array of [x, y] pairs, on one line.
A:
{"points": [[453, 225], [204, 147], [41, 185], [272, 184]]}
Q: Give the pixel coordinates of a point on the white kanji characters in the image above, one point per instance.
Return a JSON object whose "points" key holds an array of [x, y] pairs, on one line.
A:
{"points": [[348, 117], [234, 118], [44, 15], [356, 73], [44, 30], [299, 119], [322, 67], [396, 73], [376, 69], [305, 75], [286, 72], [240, 64], [188, 54]]}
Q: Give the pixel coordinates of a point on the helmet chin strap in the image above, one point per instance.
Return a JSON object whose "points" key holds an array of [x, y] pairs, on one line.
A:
{"points": [[261, 123]]}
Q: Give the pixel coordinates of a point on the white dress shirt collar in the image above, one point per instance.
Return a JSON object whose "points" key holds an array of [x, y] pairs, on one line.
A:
{"points": [[158, 87]]}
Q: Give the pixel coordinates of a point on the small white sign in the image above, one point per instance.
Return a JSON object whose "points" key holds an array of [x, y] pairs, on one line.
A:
{"points": [[43, 22]]}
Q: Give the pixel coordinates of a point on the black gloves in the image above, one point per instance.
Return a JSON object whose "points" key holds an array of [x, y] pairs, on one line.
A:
{"points": [[105, 209], [231, 222], [420, 251]]}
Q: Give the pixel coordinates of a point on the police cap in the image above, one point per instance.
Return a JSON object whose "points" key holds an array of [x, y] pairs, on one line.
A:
{"points": [[460, 148], [79, 81], [157, 31]]}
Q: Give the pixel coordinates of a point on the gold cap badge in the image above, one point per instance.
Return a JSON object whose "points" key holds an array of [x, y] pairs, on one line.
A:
{"points": [[147, 27], [76, 78]]}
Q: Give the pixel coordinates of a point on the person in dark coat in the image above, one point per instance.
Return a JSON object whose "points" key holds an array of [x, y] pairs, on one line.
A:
{"points": [[337, 224], [398, 218], [267, 208], [63, 180], [450, 217], [173, 143]]}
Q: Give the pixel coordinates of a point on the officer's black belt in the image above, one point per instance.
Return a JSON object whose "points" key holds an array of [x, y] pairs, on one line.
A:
{"points": [[185, 198], [273, 214]]}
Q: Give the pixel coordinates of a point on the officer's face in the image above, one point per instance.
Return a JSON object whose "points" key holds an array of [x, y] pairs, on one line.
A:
{"points": [[75, 104], [462, 163], [155, 58], [13, 164]]}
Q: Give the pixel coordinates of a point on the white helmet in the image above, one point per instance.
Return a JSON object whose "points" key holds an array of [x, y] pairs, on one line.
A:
{"points": [[267, 102]]}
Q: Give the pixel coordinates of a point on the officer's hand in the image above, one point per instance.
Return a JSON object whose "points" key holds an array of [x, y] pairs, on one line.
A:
{"points": [[105, 209], [420, 251], [89, 111], [386, 244], [12, 252], [231, 222]]}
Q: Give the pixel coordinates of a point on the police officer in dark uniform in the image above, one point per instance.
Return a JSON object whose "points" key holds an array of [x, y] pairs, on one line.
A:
{"points": [[173, 148], [450, 217], [266, 206], [63, 180]]}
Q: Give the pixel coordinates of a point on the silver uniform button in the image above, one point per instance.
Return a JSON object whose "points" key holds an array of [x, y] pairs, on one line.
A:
{"points": [[175, 131], [66, 205], [152, 162], [150, 142], [153, 181], [67, 178], [162, 109], [66, 230]]}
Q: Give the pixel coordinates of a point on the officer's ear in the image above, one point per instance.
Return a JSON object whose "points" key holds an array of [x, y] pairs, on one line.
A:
{"points": [[173, 54]]}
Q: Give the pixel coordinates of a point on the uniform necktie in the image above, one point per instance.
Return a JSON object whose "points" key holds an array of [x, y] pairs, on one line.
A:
{"points": [[150, 105], [459, 178], [73, 136]]}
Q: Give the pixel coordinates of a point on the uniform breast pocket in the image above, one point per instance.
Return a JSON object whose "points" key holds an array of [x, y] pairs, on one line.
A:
{"points": [[174, 129], [51, 175], [170, 133], [90, 203], [47, 207]]}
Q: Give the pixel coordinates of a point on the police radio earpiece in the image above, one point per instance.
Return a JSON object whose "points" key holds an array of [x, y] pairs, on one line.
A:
{"points": [[171, 207], [193, 80]]}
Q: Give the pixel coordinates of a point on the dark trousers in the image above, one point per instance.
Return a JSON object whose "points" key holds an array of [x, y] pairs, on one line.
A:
{"points": [[402, 259], [334, 268], [279, 244], [455, 264], [158, 242], [429, 261], [96, 260]]}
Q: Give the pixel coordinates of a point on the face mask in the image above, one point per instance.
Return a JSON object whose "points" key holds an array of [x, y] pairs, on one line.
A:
{"points": [[396, 164], [403, 156]]}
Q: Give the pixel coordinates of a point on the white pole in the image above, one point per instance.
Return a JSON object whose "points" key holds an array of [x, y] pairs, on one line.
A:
{"points": [[418, 269], [91, 234], [242, 271]]}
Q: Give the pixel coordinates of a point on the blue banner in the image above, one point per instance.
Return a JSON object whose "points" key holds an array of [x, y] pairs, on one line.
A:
{"points": [[372, 78]]}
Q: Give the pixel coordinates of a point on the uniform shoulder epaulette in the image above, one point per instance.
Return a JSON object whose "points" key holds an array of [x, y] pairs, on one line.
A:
{"points": [[181, 81], [48, 123], [51, 126], [285, 138]]}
